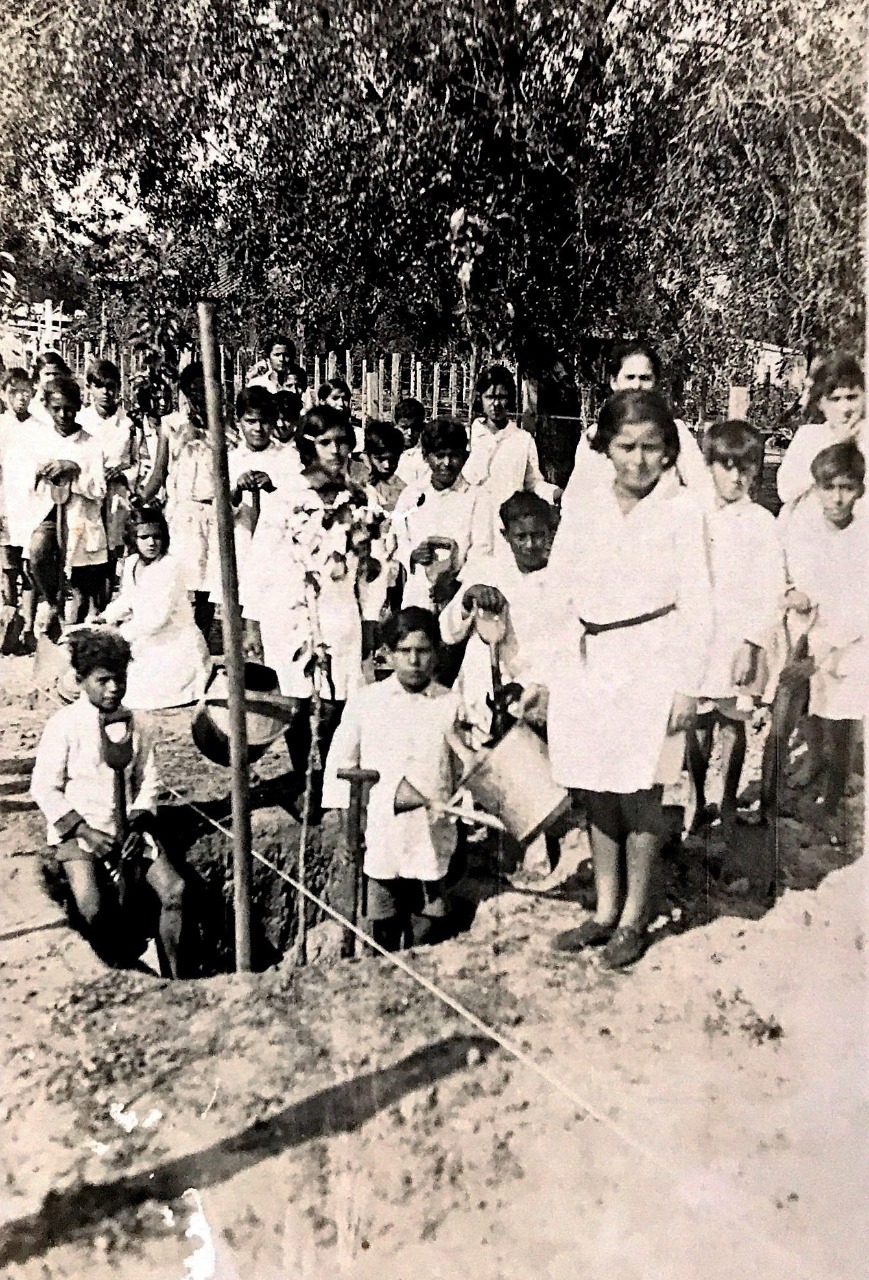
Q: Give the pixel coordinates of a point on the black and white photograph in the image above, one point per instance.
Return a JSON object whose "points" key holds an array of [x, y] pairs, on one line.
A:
{"points": [[434, 640]]}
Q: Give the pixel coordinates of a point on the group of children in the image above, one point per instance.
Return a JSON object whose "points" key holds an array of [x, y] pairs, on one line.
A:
{"points": [[661, 605]]}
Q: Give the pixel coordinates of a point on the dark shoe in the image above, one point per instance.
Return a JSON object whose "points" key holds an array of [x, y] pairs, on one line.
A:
{"points": [[624, 947], [591, 933]]}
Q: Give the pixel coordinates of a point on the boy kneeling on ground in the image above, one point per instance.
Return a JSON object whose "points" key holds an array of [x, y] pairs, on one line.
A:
{"points": [[101, 818]]}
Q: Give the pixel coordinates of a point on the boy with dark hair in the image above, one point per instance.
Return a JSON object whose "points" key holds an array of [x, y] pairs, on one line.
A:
{"points": [[439, 521], [409, 418], [95, 781], [69, 540], [20, 433], [376, 470], [825, 545], [399, 728], [105, 418]]}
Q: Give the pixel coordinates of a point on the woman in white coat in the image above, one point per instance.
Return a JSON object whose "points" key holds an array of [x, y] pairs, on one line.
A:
{"points": [[171, 665], [636, 597]]}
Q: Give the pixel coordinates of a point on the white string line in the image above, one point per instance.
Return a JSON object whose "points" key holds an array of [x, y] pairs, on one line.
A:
{"points": [[732, 1203]]}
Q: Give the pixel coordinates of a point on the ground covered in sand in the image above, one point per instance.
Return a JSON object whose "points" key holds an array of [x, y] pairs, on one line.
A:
{"points": [[703, 1115]]}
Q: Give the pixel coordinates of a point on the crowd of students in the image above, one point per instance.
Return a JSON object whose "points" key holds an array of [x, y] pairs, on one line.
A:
{"points": [[650, 607]]}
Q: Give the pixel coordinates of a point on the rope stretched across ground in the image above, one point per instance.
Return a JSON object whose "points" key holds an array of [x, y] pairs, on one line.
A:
{"points": [[718, 1193]]}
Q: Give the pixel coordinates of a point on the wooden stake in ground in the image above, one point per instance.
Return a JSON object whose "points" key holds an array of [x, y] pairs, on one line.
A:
{"points": [[359, 779], [232, 644]]}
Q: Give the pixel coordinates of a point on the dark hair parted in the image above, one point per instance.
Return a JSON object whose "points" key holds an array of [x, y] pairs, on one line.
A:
{"points": [[258, 399], [15, 377], [493, 375], [734, 443], [444, 434], [272, 340], [623, 351], [627, 408], [524, 504], [98, 647], [64, 385], [190, 374], [315, 423], [402, 624], [103, 373], [383, 437], [139, 517], [409, 410], [838, 370], [839, 460]]}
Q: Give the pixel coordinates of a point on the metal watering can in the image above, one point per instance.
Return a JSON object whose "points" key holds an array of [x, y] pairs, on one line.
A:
{"points": [[268, 713]]}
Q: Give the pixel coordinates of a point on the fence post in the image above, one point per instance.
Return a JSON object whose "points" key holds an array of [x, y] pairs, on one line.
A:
{"points": [[348, 368], [395, 380], [381, 388], [435, 388], [364, 391], [454, 390], [331, 365], [318, 374], [371, 395]]}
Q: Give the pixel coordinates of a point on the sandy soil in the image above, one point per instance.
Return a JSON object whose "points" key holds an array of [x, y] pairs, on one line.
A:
{"points": [[703, 1115]]}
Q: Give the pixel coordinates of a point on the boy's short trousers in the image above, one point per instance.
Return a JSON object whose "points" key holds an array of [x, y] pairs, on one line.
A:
{"points": [[400, 898], [619, 815]]}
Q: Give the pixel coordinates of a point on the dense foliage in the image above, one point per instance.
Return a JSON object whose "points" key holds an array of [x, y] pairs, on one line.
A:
{"points": [[516, 175]]}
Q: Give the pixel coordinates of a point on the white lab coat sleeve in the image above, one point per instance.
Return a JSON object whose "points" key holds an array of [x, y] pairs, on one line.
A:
{"points": [[767, 582], [794, 476], [154, 609], [344, 753], [90, 482], [482, 525], [533, 475], [49, 778], [455, 626], [694, 599]]}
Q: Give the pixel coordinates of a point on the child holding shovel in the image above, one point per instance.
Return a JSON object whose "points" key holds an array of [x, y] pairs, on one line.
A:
{"points": [[399, 728], [95, 780]]}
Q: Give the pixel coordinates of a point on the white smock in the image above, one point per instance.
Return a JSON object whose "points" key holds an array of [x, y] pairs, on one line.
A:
{"points": [[747, 583], [302, 588], [117, 439], [831, 567], [171, 664], [401, 735], [190, 502], [529, 625], [23, 447], [611, 694]]}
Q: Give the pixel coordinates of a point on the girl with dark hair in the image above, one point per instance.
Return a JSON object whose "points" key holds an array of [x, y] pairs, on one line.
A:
{"points": [[624, 674], [838, 394], [503, 455], [308, 573], [279, 358], [170, 663], [633, 366]]}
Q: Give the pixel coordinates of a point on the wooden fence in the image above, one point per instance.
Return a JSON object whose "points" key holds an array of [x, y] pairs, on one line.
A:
{"points": [[377, 384]]}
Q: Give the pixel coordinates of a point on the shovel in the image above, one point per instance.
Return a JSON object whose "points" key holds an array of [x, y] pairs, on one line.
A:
{"points": [[52, 659], [408, 798]]}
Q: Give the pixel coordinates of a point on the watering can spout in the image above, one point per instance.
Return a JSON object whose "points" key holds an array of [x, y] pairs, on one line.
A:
{"points": [[407, 798]]}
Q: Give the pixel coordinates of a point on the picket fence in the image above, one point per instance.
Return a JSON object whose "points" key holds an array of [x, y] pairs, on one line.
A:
{"points": [[377, 384]]}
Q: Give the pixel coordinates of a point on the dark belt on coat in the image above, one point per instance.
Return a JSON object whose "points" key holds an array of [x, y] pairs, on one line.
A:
{"points": [[598, 628]]}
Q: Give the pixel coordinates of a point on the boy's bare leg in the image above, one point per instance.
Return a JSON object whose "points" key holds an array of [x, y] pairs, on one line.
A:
{"points": [[203, 612], [698, 744], [90, 907], [169, 888], [732, 759]]}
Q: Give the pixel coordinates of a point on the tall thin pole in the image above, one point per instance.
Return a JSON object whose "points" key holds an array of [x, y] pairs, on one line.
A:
{"points": [[232, 644]]}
